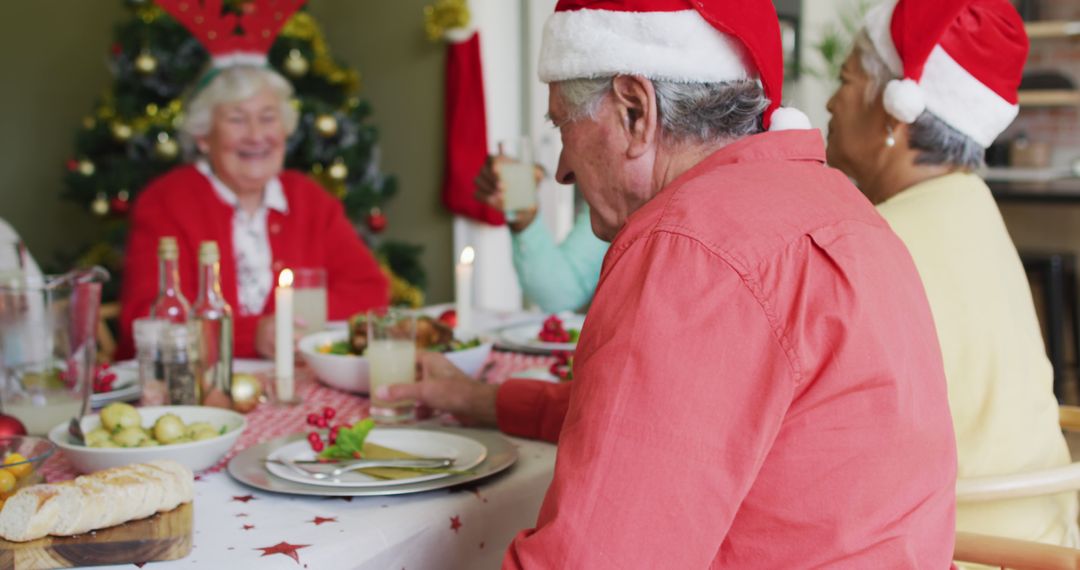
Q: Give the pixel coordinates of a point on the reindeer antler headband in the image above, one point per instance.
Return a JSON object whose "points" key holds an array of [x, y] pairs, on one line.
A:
{"points": [[233, 39]]}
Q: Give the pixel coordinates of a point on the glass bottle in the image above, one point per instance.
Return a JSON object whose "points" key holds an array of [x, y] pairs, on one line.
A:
{"points": [[213, 319], [170, 304]]}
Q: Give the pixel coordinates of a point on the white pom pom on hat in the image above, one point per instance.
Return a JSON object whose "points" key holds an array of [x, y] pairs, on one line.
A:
{"points": [[904, 100], [789, 119]]}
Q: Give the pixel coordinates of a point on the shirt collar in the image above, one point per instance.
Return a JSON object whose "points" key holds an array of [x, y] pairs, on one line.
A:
{"points": [[273, 196]]}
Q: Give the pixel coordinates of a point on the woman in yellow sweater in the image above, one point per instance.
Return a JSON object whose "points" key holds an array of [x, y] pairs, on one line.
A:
{"points": [[910, 126]]}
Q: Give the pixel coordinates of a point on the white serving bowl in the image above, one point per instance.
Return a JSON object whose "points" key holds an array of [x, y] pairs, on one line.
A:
{"points": [[350, 373], [195, 455]]}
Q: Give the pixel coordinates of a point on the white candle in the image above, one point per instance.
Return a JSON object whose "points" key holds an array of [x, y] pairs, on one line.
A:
{"points": [[283, 336], [463, 277]]}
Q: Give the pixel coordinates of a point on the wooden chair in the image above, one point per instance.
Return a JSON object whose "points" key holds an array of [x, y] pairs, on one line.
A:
{"points": [[1019, 554]]}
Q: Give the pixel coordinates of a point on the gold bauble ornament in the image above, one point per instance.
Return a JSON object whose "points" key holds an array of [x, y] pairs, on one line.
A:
{"points": [[151, 110], [246, 392], [326, 125], [338, 170], [166, 148], [89, 123], [145, 62], [121, 131], [86, 168], [100, 205], [296, 65]]}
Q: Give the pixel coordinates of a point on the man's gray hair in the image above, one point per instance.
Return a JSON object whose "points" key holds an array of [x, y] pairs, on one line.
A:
{"points": [[231, 85], [936, 141], [689, 112]]}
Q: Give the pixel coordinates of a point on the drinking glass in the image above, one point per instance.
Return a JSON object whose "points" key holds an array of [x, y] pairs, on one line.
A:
{"points": [[47, 346], [518, 177], [391, 356], [309, 298]]}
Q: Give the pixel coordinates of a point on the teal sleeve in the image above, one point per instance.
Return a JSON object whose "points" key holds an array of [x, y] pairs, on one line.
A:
{"points": [[559, 277]]}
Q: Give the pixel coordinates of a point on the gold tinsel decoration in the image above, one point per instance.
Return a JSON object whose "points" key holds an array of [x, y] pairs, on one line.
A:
{"points": [[402, 293], [445, 15], [121, 131]]}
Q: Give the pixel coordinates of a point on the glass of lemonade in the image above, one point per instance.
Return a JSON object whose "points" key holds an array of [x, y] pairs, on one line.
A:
{"points": [[47, 346], [309, 300], [518, 175], [391, 356]]}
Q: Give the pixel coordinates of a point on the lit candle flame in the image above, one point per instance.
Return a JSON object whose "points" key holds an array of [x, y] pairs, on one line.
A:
{"points": [[285, 279], [468, 255]]}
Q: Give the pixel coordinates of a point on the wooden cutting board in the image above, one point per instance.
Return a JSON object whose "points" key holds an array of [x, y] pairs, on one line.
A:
{"points": [[165, 536]]}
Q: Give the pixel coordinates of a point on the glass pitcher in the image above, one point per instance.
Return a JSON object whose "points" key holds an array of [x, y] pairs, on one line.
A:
{"points": [[47, 345]]}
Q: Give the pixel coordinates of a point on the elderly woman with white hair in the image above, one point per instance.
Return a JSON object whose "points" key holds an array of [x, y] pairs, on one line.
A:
{"points": [[264, 218], [910, 127]]}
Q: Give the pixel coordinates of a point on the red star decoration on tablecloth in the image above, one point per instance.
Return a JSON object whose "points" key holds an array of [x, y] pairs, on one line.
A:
{"points": [[249, 526], [283, 548], [244, 498], [455, 523], [320, 520]]}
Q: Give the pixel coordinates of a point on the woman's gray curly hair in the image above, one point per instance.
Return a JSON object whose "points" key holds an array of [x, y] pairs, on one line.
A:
{"points": [[689, 112], [229, 86], [936, 141]]}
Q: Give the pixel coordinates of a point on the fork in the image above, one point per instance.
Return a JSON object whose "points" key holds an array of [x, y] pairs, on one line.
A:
{"points": [[433, 463]]}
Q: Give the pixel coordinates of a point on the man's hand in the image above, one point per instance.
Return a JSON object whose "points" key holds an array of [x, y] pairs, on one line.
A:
{"points": [[442, 386], [491, 190]]}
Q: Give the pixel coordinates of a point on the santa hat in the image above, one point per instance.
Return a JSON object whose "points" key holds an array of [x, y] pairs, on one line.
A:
{"points": [[959, 59], [691, 41]]}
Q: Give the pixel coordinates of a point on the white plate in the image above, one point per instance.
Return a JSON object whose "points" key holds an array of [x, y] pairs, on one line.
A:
{"points": [[527, 336], [126, 388], [466, 452]]}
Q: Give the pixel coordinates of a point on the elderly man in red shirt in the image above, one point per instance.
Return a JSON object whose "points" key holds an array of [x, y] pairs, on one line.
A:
{"points": [[758, 383]]}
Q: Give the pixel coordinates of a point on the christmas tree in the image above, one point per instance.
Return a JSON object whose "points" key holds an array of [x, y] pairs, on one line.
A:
{"points": [[130, 137]]}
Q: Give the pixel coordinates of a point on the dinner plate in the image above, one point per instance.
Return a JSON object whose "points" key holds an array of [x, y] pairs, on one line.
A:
{"points": [[249, 468], [466, 453], [126, 387], [527, 336]]}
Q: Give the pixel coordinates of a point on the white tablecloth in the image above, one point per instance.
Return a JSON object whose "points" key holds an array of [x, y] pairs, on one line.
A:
{"points": [[469, 528]]}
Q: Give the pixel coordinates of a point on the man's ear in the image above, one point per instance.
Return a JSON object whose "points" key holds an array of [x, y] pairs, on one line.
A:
{"points": [[635, 102]]}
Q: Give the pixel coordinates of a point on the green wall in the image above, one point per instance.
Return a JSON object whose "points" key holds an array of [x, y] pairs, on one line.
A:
{"points": [[52, 59], [54, 66]]}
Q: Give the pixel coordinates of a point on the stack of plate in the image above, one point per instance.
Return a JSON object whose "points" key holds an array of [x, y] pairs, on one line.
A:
{"points": [[476, 453]]}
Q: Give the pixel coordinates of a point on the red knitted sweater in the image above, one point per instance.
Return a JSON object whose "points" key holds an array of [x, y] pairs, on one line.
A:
{"points": [[314, 233]]}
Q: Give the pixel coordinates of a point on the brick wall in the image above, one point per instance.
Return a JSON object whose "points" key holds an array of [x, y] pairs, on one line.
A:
{"points": [[1059, 126]]}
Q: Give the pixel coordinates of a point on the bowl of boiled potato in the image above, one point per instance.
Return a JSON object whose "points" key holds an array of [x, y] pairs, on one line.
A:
{"points": [[195, 436]]}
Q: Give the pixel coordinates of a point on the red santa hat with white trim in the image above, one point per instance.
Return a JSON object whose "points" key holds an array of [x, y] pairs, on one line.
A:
{"points": [[692, 41], [961, 60]]}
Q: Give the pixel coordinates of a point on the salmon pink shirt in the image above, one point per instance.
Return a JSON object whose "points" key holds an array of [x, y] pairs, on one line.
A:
{"points": [[758, 385]]}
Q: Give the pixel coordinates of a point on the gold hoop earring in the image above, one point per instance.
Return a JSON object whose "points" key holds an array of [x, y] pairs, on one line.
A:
{"points": [[890, 140]]}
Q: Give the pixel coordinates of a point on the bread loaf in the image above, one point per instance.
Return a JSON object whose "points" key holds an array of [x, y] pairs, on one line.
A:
{"points": [[97, 500]]}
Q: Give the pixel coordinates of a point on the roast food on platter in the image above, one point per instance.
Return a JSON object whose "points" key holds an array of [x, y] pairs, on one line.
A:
{"points": [[431, 334], [95, 501]]}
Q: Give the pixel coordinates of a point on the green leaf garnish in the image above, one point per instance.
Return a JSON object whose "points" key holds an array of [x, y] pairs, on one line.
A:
{"points": [[349, 441]]}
